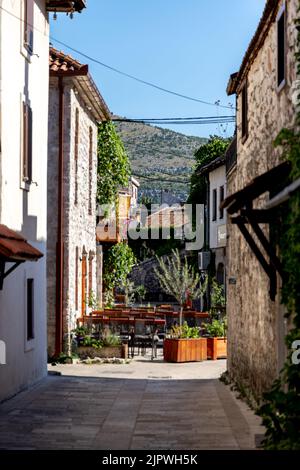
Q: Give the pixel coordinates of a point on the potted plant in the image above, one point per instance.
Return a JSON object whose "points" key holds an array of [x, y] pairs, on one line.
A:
{"points": [[140, 293], [216, 339], [178, 279], [184, 344]]}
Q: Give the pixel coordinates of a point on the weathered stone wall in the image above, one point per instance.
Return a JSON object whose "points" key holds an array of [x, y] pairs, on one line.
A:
{"points": [[255, 324], [79, 226]]}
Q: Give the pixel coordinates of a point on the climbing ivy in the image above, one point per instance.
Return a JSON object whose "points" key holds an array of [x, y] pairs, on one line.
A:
{"points": [[117, 266], [281, 408], [214, 148], [113, 164]]}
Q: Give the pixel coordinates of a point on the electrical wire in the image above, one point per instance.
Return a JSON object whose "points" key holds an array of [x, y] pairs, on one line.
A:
{"points": [[120, 72], [180, 121], [162, 180]]}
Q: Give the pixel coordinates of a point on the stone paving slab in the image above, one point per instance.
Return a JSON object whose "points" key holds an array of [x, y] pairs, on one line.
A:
{"points": [[124, 407]]}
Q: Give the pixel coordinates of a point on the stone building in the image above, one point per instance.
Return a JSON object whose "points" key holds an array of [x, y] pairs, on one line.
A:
{"points": [[265, 89], [75, 109], [24, 88]]}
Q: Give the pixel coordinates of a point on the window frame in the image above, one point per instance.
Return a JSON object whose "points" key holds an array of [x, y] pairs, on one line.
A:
{"points": [[281, 54], [27, 28], [30, 323], [214, 205], [221, 199], [244, 112], [26, 160], [76, 152], [91, 155]]}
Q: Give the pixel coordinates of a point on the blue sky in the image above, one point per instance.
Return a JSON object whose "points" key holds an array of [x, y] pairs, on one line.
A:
{"points": [[188, 46]]}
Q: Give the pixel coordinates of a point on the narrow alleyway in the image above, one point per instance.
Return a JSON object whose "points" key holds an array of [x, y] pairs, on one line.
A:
{"points": [[142, 405]]}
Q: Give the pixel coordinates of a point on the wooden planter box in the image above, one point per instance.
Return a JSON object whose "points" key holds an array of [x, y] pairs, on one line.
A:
{"points": [[104, 353], [216, 348], [185, 350]]}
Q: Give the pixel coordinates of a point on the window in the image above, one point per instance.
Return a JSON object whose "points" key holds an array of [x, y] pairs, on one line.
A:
{"points": [[27, 145], [244, 112], [28, 25], [221, 213], [90, 272], [214, 205], [76, 151], [281, 63], [84, 283], [30, 309], [90, 169], [76, 276]]}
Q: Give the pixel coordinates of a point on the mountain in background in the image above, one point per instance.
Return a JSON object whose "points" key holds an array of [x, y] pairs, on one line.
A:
{"points": [[159, 153]]}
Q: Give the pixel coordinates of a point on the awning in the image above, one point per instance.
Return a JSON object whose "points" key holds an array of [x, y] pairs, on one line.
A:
{"points": [[14, 249], [240, 207]]}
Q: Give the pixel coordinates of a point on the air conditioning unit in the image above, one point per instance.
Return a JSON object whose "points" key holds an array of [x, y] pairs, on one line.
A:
{"points": [[204, 258]]}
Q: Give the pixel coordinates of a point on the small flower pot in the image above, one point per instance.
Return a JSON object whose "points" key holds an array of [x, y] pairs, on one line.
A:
{"points": [[216, 348]]}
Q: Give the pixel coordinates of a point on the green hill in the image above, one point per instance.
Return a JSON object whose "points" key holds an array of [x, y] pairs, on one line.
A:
{"points": [[154, 151]]}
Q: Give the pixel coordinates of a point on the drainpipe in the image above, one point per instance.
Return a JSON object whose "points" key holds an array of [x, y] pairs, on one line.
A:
{"points": [[1, 41], [60, 223]]}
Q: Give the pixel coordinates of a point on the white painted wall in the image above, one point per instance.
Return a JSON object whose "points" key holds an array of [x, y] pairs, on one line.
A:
{"points": [[23, 77], [217, 178]]}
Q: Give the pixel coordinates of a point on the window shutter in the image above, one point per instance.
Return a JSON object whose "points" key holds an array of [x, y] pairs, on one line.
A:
{"points": [[28, 24], [29, 144], [25, 143]]}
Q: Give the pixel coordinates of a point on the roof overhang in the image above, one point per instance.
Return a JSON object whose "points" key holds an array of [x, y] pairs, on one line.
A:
{"points": [[209, 167], [268, 17], [67, 6], [92, 97], [84, 83], [14, 249]]}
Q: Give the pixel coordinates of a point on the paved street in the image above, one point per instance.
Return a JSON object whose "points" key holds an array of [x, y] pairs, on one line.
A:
{"points": [[142, 405]]}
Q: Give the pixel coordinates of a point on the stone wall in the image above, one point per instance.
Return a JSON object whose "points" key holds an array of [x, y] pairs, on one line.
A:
{"points": [[79, 225], [255, 323]]}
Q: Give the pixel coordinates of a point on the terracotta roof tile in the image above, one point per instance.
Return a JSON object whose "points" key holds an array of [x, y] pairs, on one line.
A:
{"points": [[14, 246], [60, 62]]}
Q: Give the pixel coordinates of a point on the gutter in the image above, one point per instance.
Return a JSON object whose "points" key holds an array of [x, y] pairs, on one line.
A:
{"points": [[60, 224]]}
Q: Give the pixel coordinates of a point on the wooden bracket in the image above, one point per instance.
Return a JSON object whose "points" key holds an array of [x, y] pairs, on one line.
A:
{"points": [[270, 267], [3, 273]]}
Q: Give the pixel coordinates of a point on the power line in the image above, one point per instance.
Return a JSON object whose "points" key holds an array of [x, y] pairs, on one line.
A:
{"points": [[162, 180], [180, 121], [171, 119], [120, 72]]}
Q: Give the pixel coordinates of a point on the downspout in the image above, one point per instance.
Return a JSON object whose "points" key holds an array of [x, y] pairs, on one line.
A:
{"points": [[60, 223], [1, 40]]}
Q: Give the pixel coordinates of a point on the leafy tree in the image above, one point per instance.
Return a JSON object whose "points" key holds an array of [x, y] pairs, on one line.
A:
{"points": [[214, 148], [117, 266], [178, 278], [113, 164]]}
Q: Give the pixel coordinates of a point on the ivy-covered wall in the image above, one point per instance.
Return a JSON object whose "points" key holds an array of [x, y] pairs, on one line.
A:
{"points": [[256, 325]]}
